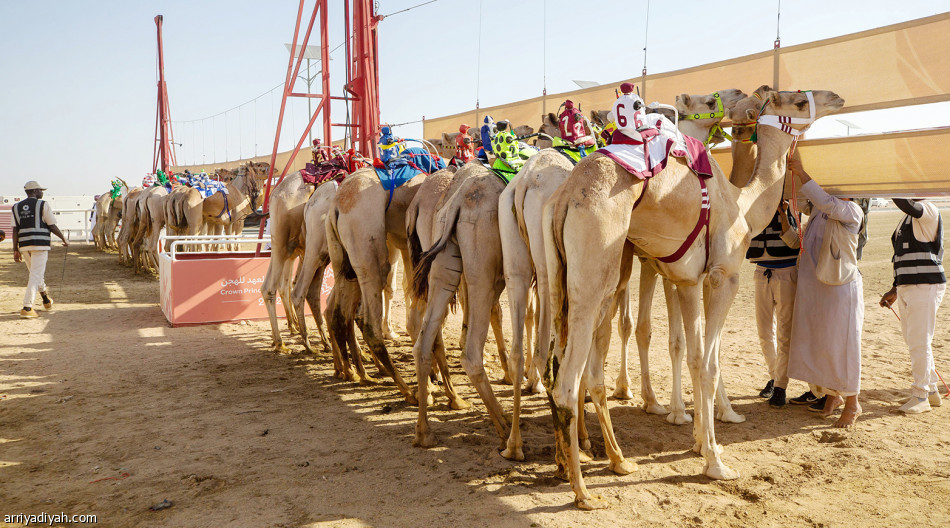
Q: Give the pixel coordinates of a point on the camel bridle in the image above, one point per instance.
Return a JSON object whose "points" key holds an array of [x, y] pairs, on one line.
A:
{"points": [[718, 114]]}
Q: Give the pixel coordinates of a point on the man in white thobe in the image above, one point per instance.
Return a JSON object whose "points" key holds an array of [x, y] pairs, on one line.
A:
{"points": [[829, 302]]}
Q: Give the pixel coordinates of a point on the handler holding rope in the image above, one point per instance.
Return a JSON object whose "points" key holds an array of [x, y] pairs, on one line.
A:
{"points": [[33, 221]]}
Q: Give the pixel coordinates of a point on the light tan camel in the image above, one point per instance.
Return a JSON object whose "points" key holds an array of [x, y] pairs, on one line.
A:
{"points": [[102, 214], [183, 213], [523, 244], [591, 219], [466, 240], [150, 218], [114, 215], [309, 282], [286, 205], [129, 224], [698, 117], [363, 220], [224, 213], [420, 215]]}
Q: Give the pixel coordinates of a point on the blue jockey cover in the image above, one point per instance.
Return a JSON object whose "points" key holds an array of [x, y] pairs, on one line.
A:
{"points": [[411, 162]]}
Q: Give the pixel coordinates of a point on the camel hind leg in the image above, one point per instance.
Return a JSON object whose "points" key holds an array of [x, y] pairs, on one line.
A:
{"points": [[624, 326]]}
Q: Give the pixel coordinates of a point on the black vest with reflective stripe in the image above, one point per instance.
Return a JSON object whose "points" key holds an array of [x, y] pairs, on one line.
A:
{"points": [[770, 241], [917, 262], [28, 218]]}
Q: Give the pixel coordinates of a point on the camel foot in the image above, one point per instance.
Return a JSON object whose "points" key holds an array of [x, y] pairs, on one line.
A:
{"points": [[679, 418], [623, 393], [306, 345], [655, 408], [424, 440], [624, 467], [721, 472], [513, 453], [507, 380], [535, 387], [584, 456], [280, 348], [595, 502], [458, 404], [369, 380], [390, 335], [584, 444], [730, 416], [561, 474], [412, 400]]}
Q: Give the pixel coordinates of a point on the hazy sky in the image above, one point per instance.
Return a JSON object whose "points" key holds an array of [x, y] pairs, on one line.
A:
{"points": [[78, 84]]}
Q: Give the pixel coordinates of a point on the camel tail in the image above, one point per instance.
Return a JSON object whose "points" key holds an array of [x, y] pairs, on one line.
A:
{"points": [[415, 245], [518, 209], [446, 218], [553, 225], [335, 247]]}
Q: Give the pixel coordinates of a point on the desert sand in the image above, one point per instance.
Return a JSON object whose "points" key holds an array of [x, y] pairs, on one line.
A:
{"points": [[107, 410]]}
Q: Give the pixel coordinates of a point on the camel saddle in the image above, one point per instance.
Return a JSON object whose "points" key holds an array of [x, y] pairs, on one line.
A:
{"points": [[646, 156]]}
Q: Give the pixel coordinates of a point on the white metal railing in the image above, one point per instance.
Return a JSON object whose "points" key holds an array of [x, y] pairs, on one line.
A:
{"points": [[86, 230], [193, 240]]}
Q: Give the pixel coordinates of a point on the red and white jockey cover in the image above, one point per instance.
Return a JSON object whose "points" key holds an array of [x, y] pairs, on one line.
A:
{"points": [[646, 155]]}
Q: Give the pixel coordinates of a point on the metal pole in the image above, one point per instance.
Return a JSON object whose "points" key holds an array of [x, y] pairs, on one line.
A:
{"points": [[309, 110]]}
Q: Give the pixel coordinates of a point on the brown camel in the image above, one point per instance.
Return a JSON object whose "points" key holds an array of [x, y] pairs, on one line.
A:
{"points": [[224, 213], [129, 224], [364, 218], [466, 240], [591, 221]]}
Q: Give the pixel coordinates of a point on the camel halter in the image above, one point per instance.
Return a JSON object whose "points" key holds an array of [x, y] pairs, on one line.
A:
{"points": [[782, 122], [718, 114]]}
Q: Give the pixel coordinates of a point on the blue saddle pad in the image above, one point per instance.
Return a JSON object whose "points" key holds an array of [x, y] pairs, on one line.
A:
{"points": [[411, 163]]}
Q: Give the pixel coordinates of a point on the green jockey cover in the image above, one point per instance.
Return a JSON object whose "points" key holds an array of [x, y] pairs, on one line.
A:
{"points": [[509, 152]]}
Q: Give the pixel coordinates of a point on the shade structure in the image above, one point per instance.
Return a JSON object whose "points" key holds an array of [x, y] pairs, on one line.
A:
{"points": [[899, 164], [889, 67]]}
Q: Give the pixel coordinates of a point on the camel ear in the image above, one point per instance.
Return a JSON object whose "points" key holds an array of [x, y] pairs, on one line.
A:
{"points": [[683, 98], [750, 114], [775, 98]]}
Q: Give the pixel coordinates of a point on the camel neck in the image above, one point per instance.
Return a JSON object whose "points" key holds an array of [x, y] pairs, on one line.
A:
{"points": [[743, 163], [694, 129], [759, 199]]}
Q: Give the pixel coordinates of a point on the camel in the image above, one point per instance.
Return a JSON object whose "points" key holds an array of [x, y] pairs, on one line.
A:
{"points": [[129, 215], [224, 213], [292, 203], [590, 223], [183, 213], [113, 216], [465, 240], [698, 119], [102, 213], [362, 221], [286, 209], [524, 253], [150, 218], [309, 282]]}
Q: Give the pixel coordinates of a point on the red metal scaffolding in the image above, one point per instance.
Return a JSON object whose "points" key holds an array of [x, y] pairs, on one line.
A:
{"points": [[362, 87], [163, 150]]}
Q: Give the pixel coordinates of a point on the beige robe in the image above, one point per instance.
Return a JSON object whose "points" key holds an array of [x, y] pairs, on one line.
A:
{"points": [[826, 328]]}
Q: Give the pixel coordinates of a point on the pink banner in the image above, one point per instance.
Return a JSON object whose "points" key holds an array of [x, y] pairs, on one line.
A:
{"points": [[199, 288]]}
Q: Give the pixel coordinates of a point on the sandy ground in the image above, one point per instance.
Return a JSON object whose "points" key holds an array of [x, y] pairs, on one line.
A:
{"points": [[106, 410]]}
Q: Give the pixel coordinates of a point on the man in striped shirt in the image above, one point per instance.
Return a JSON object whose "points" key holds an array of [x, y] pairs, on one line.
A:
{"points": [[919, 285], [33, 222]]}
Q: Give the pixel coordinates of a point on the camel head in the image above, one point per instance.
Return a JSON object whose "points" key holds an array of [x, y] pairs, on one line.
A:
{"points": [[549, 127], [600, 117], [699, 115], [252, 186], [794, 105]]}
